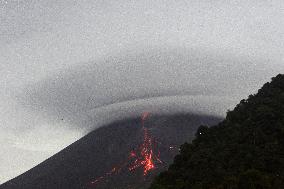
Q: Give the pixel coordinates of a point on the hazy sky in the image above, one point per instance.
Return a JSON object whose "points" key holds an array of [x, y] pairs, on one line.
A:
{"points": [[67, 67]]}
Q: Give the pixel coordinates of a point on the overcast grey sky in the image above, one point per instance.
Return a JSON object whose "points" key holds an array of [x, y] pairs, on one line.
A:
{"points": [[67, 67]]}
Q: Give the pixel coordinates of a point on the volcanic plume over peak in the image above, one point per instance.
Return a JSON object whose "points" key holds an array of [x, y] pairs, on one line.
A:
{"points": [[123, 155]]}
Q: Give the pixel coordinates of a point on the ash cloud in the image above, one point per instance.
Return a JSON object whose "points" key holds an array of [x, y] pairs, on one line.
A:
{"points": [[206, 82]]}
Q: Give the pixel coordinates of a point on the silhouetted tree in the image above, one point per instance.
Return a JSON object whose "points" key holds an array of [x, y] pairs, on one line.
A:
{"points": [[245, 151]]}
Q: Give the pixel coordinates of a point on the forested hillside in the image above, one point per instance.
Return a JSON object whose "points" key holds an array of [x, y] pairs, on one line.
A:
{"points": [[245, 151]]}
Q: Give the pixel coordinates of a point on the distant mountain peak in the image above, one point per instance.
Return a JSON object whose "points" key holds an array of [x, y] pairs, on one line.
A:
{"points": [[126, 154]]}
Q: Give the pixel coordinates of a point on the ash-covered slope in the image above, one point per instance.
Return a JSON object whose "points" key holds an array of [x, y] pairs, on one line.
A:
{"points": [[125, 154]]}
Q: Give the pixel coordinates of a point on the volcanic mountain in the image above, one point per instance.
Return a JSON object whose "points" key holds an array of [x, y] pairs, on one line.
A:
{"points": [[126, 154]]}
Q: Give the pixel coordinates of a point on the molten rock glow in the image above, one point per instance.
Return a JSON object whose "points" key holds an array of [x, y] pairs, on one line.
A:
{"points": [[145, 156]]}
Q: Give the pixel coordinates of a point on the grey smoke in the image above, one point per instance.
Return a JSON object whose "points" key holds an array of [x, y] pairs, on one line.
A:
{"points": [[77, 94]]}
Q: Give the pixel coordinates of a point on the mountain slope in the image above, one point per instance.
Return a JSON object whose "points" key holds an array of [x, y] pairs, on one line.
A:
{"points": [[245, 151], [114, 156]]}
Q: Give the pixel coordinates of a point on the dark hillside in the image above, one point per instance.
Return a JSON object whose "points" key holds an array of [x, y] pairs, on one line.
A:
{"points": [[245, 151]]}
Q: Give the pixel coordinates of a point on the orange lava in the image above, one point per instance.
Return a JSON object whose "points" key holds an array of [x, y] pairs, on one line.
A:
{"points": [[143, 157], [146, 156]]}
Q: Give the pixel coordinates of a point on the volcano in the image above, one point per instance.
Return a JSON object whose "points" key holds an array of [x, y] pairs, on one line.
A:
{"points": [[126, 154]]}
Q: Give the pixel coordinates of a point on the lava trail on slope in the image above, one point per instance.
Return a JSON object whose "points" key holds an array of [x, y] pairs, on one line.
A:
{"points": [[144, 158]]}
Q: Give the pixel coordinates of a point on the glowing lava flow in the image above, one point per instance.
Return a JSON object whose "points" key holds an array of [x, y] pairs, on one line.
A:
{"points": [[143, 157], [111, 172], [146, 156]]}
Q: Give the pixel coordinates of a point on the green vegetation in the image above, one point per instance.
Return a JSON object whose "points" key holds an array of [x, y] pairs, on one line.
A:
{"points": [[245, 151]]}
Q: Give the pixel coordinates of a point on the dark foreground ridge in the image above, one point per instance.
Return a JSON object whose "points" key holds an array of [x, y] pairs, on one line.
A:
{"points": [[123, 155], [245, 151]]}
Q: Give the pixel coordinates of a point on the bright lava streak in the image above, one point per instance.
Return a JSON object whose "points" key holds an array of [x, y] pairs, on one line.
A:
{"points": [[146, 156], [143, 157]]}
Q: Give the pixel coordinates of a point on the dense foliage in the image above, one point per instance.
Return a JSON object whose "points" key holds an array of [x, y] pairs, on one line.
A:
{"points": [[245, 151]]}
